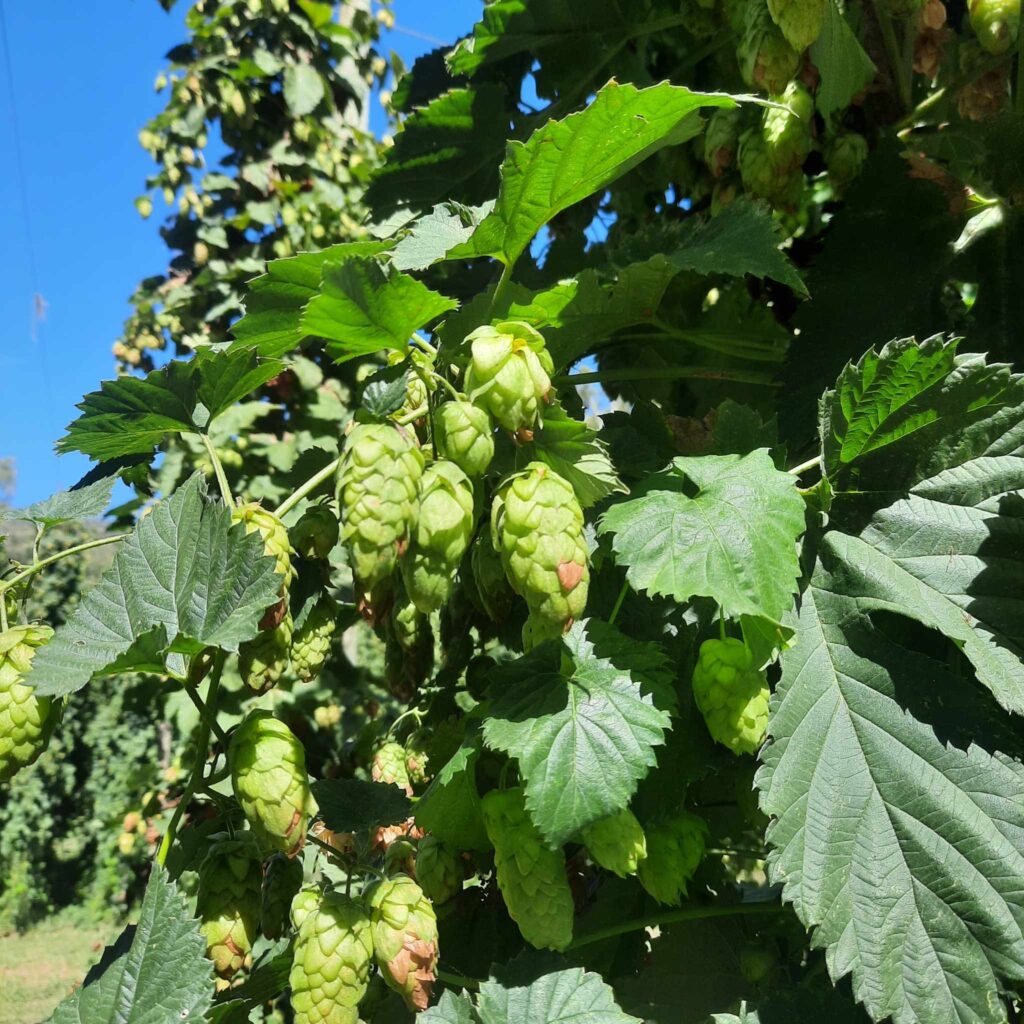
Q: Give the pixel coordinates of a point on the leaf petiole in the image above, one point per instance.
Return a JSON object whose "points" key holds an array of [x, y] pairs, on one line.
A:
{"points": [[51, 559], [307, 488]]}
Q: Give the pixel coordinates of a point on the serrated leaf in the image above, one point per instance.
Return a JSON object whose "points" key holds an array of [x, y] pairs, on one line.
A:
{"points": [[303, 89], [184, 577], [845, 68], [430, 237], [385, 391], [156, 972], [733, 540], [581, 717], [450, 808], [451, 1008], [354, 805], [88, 499]]}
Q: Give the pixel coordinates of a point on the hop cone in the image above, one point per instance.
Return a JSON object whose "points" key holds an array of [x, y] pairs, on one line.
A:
{"points": [[417, 756], [462, 434], [312, 643], [275, 537], [438, 870], [389, 766], [531, 877], [378, 483], [442, 534], [766, 60], [416, 391], [844, 158], [316, 533], [760, 175], [491, 589], [732, 695], [616, 843], [996, 23], [268, 773], [282, 879], [228, 901], [404, 938], [787, 132], [331, 962], [263, 661], [537, 525], [721, 139], [26, 721], [799, 20], [509, 373], [675, 848], [305, 902], [409, 651]]}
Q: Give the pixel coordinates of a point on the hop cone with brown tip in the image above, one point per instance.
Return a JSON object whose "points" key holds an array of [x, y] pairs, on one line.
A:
{"points": [[438, 870], [389, 766], [311, 644], [26, 721], [462, 434], [799, 20], [732, 695], [275, 537], [675, 848], [282, 878], [263, 661], [767, 61], [417, 756], [316, 533], [721, 139], [617, 843]]}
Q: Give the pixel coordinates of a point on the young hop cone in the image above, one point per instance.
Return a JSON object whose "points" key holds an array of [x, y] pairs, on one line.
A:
{"points": [[404, 938], [316, 533], [616, 843], [996, 23], [331, 962], [275, 536], [509, 374], [268, 774], [844, 158], [787, 131], [304, 903], [675, 848], [417, 756], [438, 870], [229, 899], [462, 434], [721, 139], [389, 766], [731, 694], [282, 879], [26, 721], [799, 20], [761, 177], [312, 643], [263, 661], [531, 877]]}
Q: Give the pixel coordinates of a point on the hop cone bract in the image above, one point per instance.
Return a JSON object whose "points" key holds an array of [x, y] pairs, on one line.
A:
{"points": [[26, 721], [275, 537], [312, 643], [766, 60], [282, 878], [675, 848], [732, 695], [531, 877], [404, 938], [417, 756], [996, 23], [263, 661], [462, 434], [389, 766], [438, 870], [799, 20], [616, 843], [761, 177], [316, 533]]}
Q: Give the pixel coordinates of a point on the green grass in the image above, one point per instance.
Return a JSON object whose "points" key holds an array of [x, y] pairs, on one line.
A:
{"points": [[38, 969]]}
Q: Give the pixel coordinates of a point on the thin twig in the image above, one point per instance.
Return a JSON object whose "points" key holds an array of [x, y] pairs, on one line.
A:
{"points": [[307, 488], [67, 552], [218, 469]]}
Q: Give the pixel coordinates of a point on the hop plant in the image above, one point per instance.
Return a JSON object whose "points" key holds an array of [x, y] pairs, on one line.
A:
{"points": [[282, 878], [491, 590], [263, 661], [787, 129], [417, 756], [304, 903], [409, 650], [844, 158], [760, 175], [311, 644], [331, 963], [417, 391], [537, 525], [721, 139], [276, 544], [229, 899], [799, 20], [462, 434], [438, 870], [675, 848], [442, 534], [268, 774], [509, 374], [26, 721], [316, 533], [389, 766], [996, 23], [531, 877], [404, 938], [731, 694], [616, 843], [766, 60]]}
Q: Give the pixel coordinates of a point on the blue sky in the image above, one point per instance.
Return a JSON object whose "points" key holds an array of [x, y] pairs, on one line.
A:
{"points": [[83, 86]]}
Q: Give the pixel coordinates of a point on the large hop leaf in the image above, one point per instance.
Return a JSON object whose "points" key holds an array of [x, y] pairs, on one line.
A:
{"points": [[404, 938], [463, 435], [268, 773], [26, 721]]}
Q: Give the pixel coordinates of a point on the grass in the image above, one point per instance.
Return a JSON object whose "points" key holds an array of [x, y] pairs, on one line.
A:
{"points": [[38, 969]]}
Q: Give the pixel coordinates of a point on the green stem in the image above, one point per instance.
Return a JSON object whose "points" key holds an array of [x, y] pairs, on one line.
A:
{"points": [[618, 602], [424, 344], [448, 385], [459, 980], [809, 464], [218, 469], [665, 373], [411, 417], [745, 854], [1018, 89], [204, 713], [307, 488], [3, 615], [892, 51], [66, 553], [499, 292]]}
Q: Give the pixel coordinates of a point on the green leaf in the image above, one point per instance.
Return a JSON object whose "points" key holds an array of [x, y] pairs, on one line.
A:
{"points": [[568, 160], [265, 982], [363, 307], [451, 1008], [156, 972], [582, 718], [385, 391], [88, 499], [354, 805], [303, 89], [733, 539], [185, 577], [450, 808], [845, 68], [430, 237]]}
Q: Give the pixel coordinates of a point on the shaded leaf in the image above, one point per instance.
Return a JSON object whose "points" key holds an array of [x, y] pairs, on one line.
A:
{"points": [[354, 805], [303, 89]]}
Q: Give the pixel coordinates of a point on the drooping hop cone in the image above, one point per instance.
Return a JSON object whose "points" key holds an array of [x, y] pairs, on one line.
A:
{"points": [[443, 530], [788, 130], [491, 591], [263, 661], [282, 878], [275, 536], [799, 20], [767, 61], [229, 899], [732, 695], [316, 533], [409, 647], [531, 876], [721, 139], [844, 158], [26, 721], [462, 434], [761, 177], [617, 843], [438, 869], [311, 644], [996, 23], [378, 486], [331, 962], [537, 526], [675, 848], [404, 938], [268, 773], [389, 766], [509, 374]]}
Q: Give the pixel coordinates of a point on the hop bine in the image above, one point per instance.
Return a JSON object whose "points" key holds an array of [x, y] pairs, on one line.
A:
{"points": [[26, 721]]}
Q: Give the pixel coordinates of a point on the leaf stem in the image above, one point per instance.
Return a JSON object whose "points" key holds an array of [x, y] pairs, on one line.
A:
{"points": [[809, 464], [3, 615], [623, 590], [457, 979], [448, 385], [204, 713], [307, 488], [665, 373], [411, 417], [892, 51], [50, 559], [424, 344], [499, 292], [218, 469]]}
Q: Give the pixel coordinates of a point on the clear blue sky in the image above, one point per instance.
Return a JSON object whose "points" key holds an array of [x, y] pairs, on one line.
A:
{"points": [[83, 86]]}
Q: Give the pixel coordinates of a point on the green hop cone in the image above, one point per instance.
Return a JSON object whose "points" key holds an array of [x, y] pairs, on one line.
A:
{"points": [[229, 899], [26, 721], [438, 870], [417, 393], [721, 139], [731, 694], [404, 938], [491, 590], [417, 757], [766, 60], [442, 534], [799, 20], [616, 843], [537, 525], [268, 774], [282, 879], [675, 848], [996, 23], [462, 434], [409, 647], [844, 158], [787, 130], [389, 766], [316, 533], [761, 177], [509, 374], [378, 486], [263, 661], [531, 877], [304, 903], [312, 643], [331, 962], [275, 537]]}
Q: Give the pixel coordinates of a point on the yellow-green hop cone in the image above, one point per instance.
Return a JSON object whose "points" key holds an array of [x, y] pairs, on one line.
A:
{"points": [[263, 661], [787, 132], [26, 721], [316, 533], [331, 962], [731, 694], [228, 901], [531, 876], [509, 374], [721, 139], [996, 23], [268, 774], [378, 486], [275, 536], [443, 530], [312, 643], [766, 59], [844, 158], [799, 20], [438, 870], [675, 848], [761, 177], [404, 938], [462, 434], [282, 879], [616, 843], [389, 766], [305, 901]]}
